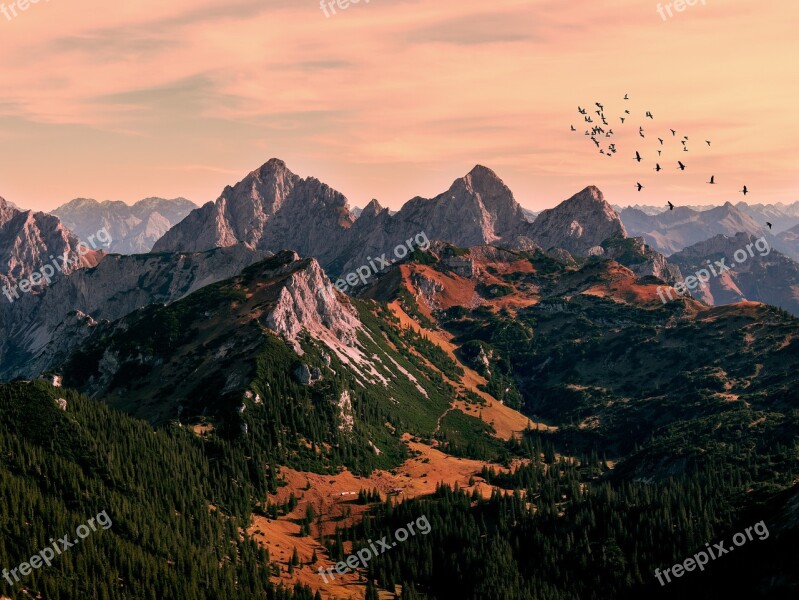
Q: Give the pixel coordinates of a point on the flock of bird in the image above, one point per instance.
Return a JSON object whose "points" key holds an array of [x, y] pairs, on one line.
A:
{"points": [[597, 132]]}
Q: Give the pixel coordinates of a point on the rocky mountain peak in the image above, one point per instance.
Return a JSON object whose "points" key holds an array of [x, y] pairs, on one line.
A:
{"points": [[583, 221]]}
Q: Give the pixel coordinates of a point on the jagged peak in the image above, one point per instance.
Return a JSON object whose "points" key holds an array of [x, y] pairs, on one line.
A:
{"points": [[372, 209]]}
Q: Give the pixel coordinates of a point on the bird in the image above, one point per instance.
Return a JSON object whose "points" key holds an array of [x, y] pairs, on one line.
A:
{"points": [[685, 137], [745, 191], [657, 167], [685, 149], [622, 120], [573, 129], [581, 110], [671, 206], [599, 112], [625, 97], [708, 142], [661, 141], [649, 114], [639, 186], [588, 120], [683, 142], [712, 180], [769, 224], [641, 131], [599, 105], [658, 152], [682, 166], [673, 133], [603, 120], [637, 156], [627, 112], [601, 151]]}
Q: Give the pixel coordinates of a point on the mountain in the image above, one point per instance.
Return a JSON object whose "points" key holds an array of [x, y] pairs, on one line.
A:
{"points": [[671, 231], [34, 244], [781, 216], [133, 229], [583, 221], [765, 275], [274, 209], [34, 330], [788, 242], [270, 209], [530, 215]]}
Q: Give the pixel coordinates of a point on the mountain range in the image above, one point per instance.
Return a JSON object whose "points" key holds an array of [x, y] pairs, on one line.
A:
{"points": [[519, 383], [132, 229]]}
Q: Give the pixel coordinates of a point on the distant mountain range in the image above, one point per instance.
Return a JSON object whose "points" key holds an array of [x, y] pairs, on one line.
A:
{"points": [[133, 229], [672, 230], [781, 216], [766, 276]]}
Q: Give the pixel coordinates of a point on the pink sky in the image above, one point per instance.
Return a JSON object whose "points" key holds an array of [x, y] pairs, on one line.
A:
{"points": [[395, 98]]}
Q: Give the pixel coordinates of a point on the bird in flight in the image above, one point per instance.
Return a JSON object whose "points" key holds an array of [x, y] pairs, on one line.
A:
{"points": [[573, 129], [712, 180], [658, 152], [657, 167], [708, 142], [627, 112], [641, 131], [622, 120], [625, 97], [745, 191], [673, 133], [639, 186], [588, 120], [637, 156], [600, 106], [661, 141], [649, 114], [581, 110], [671, 206], [682, 166], [769, 224]]}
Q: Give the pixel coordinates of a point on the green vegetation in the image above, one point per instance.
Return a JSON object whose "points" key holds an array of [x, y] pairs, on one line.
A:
{"points": [[177, 504]]}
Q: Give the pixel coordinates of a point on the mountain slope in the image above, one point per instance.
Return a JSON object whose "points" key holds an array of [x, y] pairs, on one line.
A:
{"points": [[31, 240], [583, 221], [766, 276], [115, 287]]}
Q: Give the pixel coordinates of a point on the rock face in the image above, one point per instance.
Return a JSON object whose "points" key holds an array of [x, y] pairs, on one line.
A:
{"points": [[117, 286], [133, 229], [476, 209], [271, 209], [583, 221], [29, 241], [673, 230], [764, 275]]}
